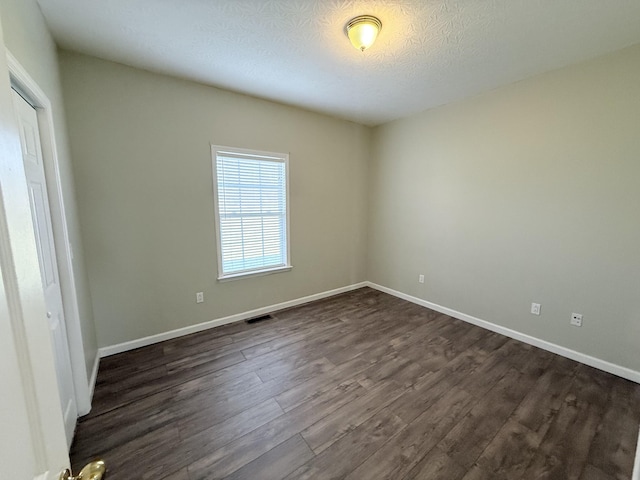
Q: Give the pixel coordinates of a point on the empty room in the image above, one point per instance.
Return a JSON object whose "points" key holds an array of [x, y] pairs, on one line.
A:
{"points": [[320, 239]]}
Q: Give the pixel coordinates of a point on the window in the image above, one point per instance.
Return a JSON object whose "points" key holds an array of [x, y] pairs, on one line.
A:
{"points": [[252, 214]]}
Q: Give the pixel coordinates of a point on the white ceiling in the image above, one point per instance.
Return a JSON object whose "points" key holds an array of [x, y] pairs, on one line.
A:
{"points": [[429, 52]]}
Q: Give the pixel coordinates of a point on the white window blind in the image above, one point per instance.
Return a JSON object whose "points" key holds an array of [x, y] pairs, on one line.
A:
{"points": [[251, 207]]}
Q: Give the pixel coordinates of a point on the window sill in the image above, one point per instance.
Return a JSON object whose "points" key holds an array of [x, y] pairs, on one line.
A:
{"points": [[257, 273]]}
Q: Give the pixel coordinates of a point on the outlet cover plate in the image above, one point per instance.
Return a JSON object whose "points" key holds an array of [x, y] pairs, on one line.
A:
{"points": [[576, 319]]}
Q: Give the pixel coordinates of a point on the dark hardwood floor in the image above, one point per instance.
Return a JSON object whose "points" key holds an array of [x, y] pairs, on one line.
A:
{"points": [[358, 386]]}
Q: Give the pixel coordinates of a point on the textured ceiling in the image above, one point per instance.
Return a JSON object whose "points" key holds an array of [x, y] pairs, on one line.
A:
{"points": [[429, 52]]}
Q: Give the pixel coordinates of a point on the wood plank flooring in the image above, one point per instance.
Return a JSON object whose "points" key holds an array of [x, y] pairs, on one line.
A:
{"points": [[358, 386]]}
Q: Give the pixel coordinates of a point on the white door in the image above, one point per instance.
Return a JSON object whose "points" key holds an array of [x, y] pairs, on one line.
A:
{"points": [[32, 437], [40, 214]]}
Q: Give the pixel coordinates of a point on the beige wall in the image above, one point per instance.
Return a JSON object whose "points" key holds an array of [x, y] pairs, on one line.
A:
{"points": [[525, 194], [27, 38], [530, 193], [141, 150]]}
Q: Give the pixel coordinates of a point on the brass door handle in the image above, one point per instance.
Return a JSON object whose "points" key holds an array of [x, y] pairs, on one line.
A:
{"points": [[91, 471]]}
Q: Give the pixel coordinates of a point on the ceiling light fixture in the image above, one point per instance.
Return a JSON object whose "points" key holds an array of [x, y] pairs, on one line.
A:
{"points": [[363, 30]]}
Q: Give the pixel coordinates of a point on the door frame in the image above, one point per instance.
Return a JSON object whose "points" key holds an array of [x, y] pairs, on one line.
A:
{"points": [[33, 444], [28, 88]]}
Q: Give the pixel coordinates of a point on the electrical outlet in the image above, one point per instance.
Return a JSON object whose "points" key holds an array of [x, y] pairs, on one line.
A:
{"points": [[576, 319], [420, 278], [535, 308], [200, 297]]}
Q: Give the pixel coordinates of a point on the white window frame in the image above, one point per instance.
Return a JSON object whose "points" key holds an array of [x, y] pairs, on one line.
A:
{"points": [[272, 156]]}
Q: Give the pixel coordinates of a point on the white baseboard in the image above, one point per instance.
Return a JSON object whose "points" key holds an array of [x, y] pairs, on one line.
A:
{"points": [[636, 465], [618, 370], [94, 375], [238, 317]]}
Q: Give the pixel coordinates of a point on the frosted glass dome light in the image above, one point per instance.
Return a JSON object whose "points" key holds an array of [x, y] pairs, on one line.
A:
{"points": [[363, 30]]}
